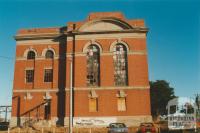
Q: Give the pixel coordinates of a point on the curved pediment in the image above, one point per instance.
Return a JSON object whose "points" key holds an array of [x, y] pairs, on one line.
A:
{"points": [[104, 25]]}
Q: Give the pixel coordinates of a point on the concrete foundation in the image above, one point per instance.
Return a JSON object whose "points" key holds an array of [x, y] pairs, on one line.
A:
{"points": [[84, 121]]}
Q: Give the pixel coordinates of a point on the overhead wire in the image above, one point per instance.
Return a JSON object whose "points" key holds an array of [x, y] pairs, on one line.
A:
{"points": [[7, 58]]}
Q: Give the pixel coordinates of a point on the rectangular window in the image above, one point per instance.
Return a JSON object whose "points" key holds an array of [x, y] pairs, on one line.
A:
{"points": [[29, 76], [121, 104], [48, 75], [93, 105]]}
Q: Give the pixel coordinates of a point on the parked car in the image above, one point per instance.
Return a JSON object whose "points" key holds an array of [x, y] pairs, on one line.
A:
{"points": [[117, 128], [147, 128]]}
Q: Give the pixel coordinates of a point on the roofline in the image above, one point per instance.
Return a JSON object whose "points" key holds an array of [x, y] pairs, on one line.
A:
{"points": [[122, 22], [76, 32]]}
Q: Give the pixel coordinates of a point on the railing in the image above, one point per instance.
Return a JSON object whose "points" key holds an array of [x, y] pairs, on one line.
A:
{"points": [[30, 118]]}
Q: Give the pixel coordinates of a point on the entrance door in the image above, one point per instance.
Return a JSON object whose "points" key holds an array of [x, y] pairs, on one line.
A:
{"points": [[47, 111]]}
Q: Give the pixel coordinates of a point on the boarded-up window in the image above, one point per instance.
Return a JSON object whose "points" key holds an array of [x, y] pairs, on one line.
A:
{"points": [[121, 104], [92, 104]]}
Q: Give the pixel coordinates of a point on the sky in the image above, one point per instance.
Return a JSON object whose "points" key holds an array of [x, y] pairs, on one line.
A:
{"points": [[173, 39]]}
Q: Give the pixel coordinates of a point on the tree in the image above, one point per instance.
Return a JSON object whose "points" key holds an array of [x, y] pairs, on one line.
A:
{"points": [[160, 93]]}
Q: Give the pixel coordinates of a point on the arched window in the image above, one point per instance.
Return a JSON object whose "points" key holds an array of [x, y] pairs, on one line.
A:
{"points": [[93, 65], [120, 65], [49, 54], [31, 55]]}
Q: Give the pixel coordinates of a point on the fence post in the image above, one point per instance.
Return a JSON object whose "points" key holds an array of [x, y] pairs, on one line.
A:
{"points": [[90, 130], [8, 130], [42, 130]]}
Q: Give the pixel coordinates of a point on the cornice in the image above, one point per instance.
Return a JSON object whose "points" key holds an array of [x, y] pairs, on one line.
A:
{"points": [[75, 32], [134, 30], [37, 36]]}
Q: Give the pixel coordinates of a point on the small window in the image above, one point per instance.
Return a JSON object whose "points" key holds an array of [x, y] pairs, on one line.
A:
{"points": [[48, 75], [29, 76], [93, 104], [172, 109], [49, 54], [121, 104], [190, 109], [31, 55]]}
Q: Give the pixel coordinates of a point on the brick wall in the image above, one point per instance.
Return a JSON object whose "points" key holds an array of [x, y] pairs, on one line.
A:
{"points": [[137, 100]]}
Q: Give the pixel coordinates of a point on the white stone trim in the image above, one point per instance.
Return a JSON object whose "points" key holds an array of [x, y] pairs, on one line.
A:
{"points": [[121, 94], [92, 94], [36, 42], [108, 36], [43, 58], [119, 41], [47, 96], [82, 37], [92, 42], [79, 54], [111, 88], [139, 52], [48, 67], [28, 96], [100, 24], [30, 49], [38, 58], [46, 49], [35, 34], [36, 90], [84, 89], [29, 68]]}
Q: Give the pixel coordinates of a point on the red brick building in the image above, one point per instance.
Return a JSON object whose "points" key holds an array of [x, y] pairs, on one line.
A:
{"points": [[109, 76]]}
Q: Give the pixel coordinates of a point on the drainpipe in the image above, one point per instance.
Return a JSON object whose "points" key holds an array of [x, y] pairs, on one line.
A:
{"points": [[71, 97], [71, 83]]}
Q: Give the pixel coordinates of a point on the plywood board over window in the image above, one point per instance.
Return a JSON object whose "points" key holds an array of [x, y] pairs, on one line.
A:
{"points": [[93, 104], [121, 102]]}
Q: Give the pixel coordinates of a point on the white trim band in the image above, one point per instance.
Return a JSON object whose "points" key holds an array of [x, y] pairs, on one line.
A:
{"points": [[85, 89]]}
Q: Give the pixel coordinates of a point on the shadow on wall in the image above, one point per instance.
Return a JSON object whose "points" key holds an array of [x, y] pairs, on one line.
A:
{"points": [[61, 95]]}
